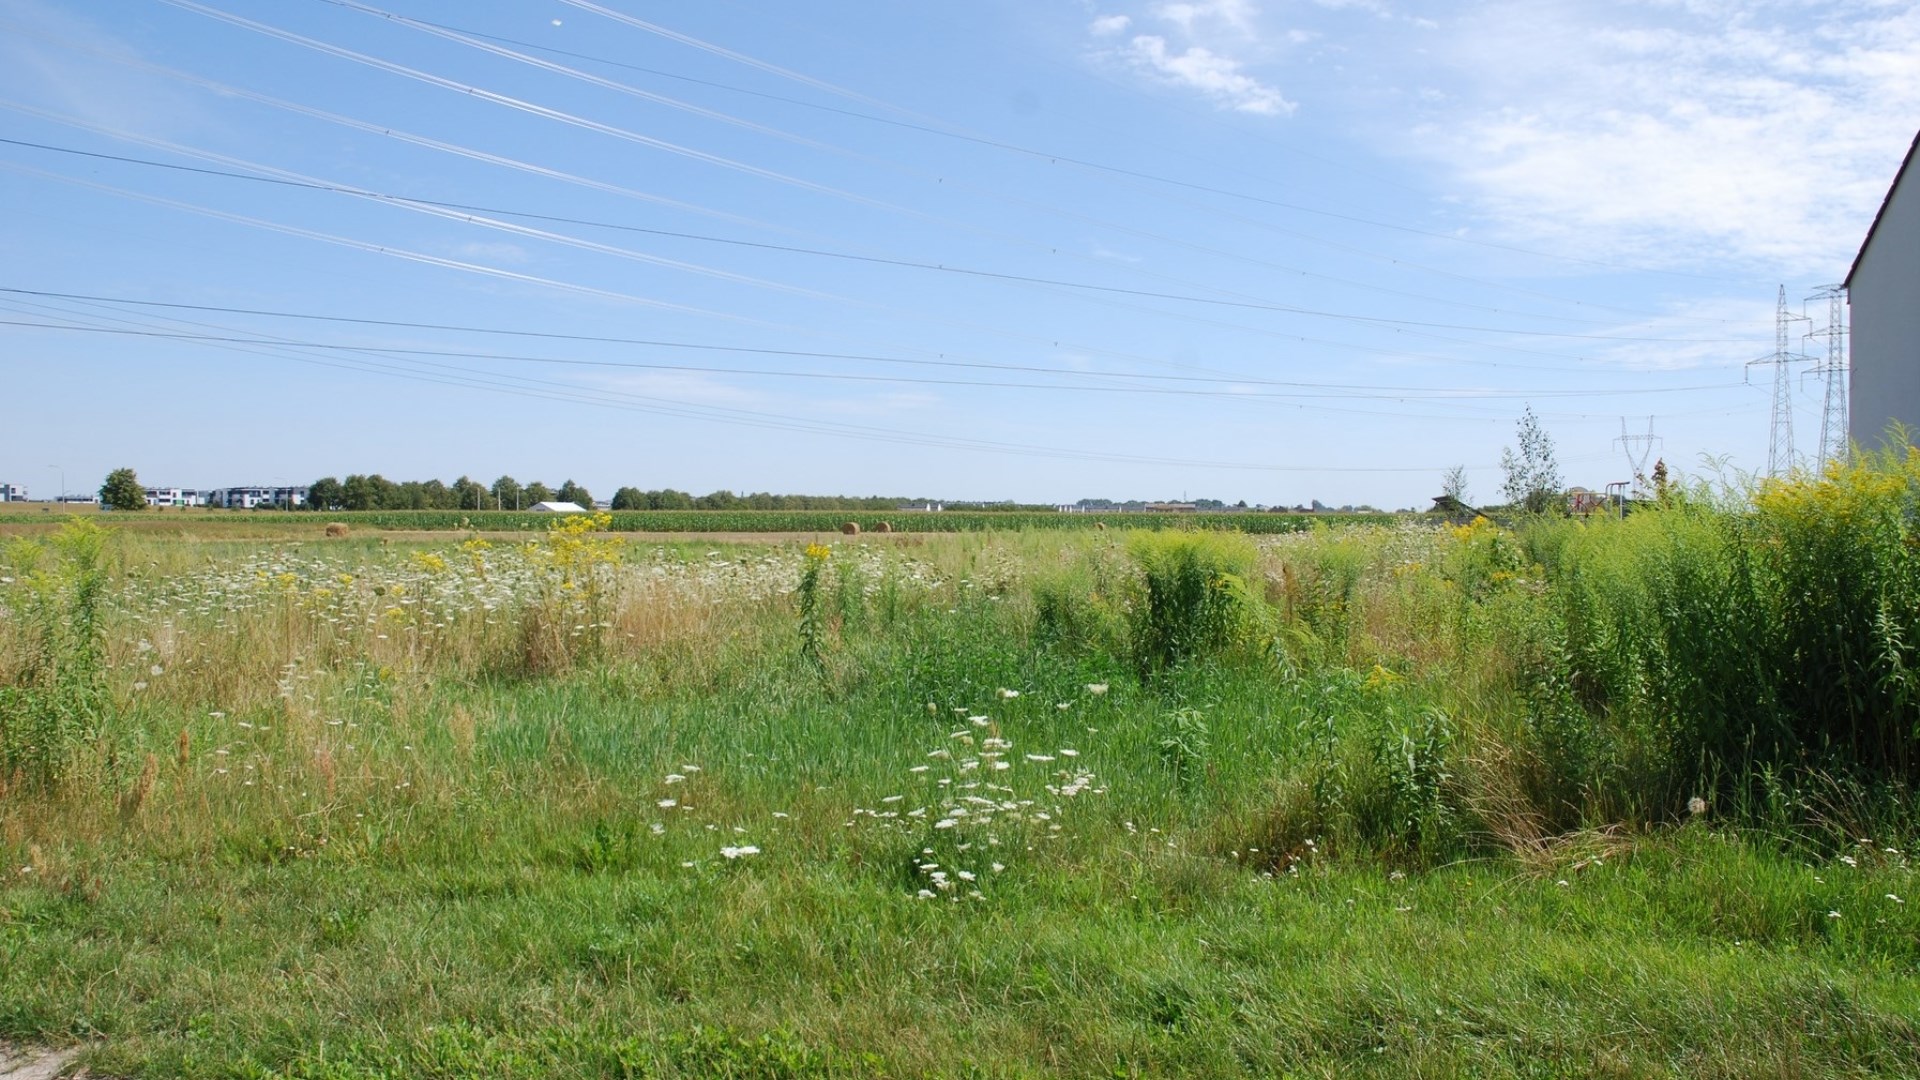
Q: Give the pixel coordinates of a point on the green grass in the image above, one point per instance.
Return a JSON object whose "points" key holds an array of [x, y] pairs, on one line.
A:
{"points": [[723, 521], [356, 810]]}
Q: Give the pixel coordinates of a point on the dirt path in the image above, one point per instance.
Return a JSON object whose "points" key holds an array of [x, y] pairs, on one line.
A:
{"points": [[21, 1063]]}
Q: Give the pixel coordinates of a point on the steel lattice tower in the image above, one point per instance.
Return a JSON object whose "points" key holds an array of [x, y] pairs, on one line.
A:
{"points": [[1780, 455], [1833, 416], [1638, 449]]}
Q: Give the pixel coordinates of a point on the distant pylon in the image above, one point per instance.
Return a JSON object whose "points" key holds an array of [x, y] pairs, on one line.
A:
{"points": [[1638, 449], [1833, 415], [1780, 456]]}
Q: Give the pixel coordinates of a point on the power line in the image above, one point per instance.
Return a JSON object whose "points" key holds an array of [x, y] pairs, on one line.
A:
{"points": [[941, 128], [1290, 309], [461, 37], [753, 418], [1345, 390]]}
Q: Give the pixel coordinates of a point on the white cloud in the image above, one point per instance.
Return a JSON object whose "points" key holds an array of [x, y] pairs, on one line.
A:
{"points": [[1213, 47], [491, 252], [1199, 68], [1196, 16], [67, 62], [1663, 131]]}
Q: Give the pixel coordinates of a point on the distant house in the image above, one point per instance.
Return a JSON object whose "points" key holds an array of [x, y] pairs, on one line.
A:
{"points": [[1883, 300], [12, 493], [1170, 507], [249, 498], [170, 497], [557, 508]]}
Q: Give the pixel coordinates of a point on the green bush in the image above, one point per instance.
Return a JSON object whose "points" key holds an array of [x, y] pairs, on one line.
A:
{"points": [[1197, 600], [56, 695]]}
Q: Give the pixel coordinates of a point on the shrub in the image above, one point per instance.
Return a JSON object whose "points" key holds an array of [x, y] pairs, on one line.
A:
{"points": [[1197, 601], [57, 696]]}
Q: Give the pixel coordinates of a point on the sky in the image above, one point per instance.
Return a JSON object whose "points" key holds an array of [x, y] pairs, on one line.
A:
{"points": [[1039, 250]]}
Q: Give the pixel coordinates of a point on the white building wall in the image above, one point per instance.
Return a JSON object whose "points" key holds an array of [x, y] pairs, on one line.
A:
{"points": [[1883, 296]]}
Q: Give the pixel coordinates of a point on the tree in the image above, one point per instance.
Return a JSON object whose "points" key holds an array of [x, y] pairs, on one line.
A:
{"points": [[1533, 477], [469, 495], [575, 494], [507, 494], [373, 492], [122, 491], [629, 498], [1453, 484], [669, 499], [326, 494], [537, 492]]}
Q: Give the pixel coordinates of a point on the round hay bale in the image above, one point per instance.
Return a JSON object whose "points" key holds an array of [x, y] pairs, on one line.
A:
{"points": [[336, 529], [884, 527], [851, 528]]}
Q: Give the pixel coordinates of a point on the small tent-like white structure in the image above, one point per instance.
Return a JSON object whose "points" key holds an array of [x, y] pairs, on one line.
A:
{"points": [[557, 508]]}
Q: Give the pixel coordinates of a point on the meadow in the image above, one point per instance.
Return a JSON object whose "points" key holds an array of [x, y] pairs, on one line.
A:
{"points": [[279, 522], [1560, 798]]}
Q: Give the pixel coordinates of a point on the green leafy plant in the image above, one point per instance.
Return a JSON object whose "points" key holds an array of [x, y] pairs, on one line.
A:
{"points": [[1197, 598], [57, 695]]}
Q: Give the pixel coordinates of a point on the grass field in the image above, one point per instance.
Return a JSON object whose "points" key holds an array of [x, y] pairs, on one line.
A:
{"points": [[276, 522], [1566, 800]]}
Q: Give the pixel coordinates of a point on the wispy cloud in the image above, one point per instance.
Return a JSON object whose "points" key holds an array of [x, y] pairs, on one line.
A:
{"points": [[1221, 78], [1210, 47], [65, 62], [491, 252], [1678, 131]]}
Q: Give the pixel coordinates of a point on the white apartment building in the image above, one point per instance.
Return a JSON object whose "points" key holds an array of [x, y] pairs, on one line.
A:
{"points": [[251, 498], [12, 493], [170, 497]]}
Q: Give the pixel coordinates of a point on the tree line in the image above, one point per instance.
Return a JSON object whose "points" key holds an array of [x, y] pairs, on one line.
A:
{"points": [[375, 492]]}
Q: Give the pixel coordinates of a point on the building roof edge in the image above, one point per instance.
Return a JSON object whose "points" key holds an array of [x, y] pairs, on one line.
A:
{"points": [[1912, 151]]}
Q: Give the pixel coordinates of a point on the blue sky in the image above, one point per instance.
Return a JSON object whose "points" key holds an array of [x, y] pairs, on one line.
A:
{"points": [[1038, 250]]}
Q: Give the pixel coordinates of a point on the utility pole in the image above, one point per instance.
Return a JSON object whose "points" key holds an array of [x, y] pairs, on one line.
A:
{"points": [[1638, 449], [1780, 455], [1833, 413]]}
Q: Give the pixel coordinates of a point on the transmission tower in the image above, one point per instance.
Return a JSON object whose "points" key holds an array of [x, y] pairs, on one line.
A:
{"points": [[1780, 457], [1638, 449], [1833, 416]]}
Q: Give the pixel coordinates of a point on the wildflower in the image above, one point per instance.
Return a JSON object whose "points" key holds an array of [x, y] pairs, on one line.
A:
{"points": [[1008, 695], [659, 829], [1096, 688], [1895, 899], [739, 852], [1833, 914], [667, 804], [924, 894], [674, 778], [1069, 753], [1696, 806]]}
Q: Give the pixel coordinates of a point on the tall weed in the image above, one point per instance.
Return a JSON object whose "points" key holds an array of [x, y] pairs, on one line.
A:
{"points": [[55, 696], [1197, 599]]}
